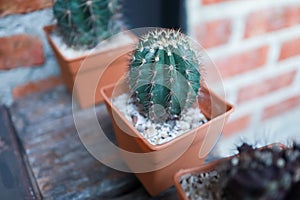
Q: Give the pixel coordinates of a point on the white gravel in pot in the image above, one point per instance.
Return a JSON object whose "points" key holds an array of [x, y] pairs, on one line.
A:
{"points": [[201, 186], [116, 41], [158, 132]]}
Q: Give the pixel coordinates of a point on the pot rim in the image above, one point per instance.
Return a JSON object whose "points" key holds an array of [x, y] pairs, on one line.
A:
{"points": [[50, 28], [207, 167]]}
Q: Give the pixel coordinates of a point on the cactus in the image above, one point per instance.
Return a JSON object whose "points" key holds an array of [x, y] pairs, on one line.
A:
{"points": [[262, 174], [164, 72], [85, 23]]}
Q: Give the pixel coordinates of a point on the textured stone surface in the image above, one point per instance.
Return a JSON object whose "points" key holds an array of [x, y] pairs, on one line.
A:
{"points": [[271, 19], [290, 49], [19, 51], [281, 107], [236, 125], [23, 6], [60, 163], [29, 24], [254, 63], [15, 181], [213, 33], [242, 62], [208, 2], [38, 86], [266, 86]]}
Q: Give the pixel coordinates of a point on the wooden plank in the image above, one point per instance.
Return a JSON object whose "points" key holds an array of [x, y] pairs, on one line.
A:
{"points": [[15, 181], [61, 165]]}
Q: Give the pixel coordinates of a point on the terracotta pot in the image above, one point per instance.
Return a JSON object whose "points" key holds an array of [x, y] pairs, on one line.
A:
{"points": [[202, 169], [107, 64], [160, 162]]}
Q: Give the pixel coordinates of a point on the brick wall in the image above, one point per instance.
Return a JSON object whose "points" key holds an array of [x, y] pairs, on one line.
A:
{"points": [[26, 60], [255, 45]]}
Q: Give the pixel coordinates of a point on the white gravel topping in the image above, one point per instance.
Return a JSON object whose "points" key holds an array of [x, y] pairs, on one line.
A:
{"points": [[202, 186], [158, 132], [113, 42]]}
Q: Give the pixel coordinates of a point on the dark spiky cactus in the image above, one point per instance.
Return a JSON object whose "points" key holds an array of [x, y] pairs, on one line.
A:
{"points": [[164, 73], [84, 23], [265, 174]]}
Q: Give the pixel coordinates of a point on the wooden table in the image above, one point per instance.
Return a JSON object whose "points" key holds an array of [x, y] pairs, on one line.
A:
{"points": [[57, 161]]}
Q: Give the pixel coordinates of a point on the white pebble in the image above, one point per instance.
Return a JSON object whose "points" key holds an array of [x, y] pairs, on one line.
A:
{"points": [[188, 119], [151, 131], [183, 125]]}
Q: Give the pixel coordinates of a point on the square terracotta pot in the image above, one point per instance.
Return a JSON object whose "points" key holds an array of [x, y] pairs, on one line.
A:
{"points": [[155, 165], [206, 168], [185, 172], [108, 64]]}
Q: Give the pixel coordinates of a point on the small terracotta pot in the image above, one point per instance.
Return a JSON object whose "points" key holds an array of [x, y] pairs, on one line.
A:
{"points": [[205, 168], [161, 162], [107, 64]]}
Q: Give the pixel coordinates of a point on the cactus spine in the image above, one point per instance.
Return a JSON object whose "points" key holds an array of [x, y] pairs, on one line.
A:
{"points": [[84, 23], [165, 72], [262, 174]]}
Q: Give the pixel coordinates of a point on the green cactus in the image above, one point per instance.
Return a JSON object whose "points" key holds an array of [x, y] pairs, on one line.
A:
{"points": [[262, 174], [165, 72], [85, 23]]}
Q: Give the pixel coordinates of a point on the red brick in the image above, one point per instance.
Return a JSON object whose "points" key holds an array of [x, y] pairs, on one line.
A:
{"points": [[271, 19], [236, 125], [279, 108], [266, 86], [22, 6], [207, 2], [242, 62], [213, 33], [289, 49], [33, 87], [20, 50]]}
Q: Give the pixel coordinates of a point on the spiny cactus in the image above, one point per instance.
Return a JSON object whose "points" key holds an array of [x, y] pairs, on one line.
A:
{"points": [[164, 73], [265, 174], [84, 23]]}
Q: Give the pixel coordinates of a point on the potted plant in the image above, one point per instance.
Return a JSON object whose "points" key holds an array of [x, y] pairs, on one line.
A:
{"points": [[84, 47], [270, 172], [163, 120]]}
